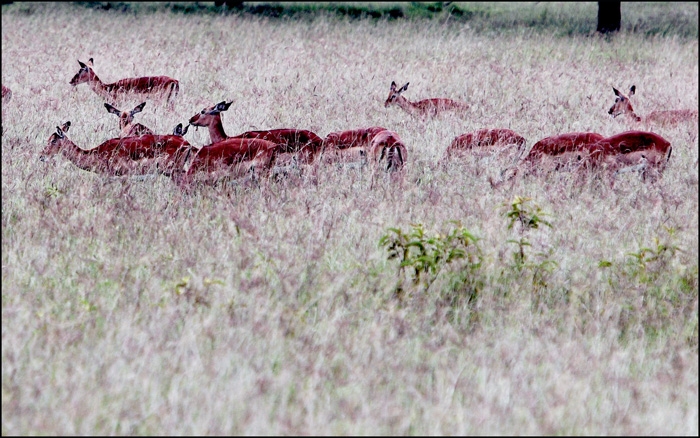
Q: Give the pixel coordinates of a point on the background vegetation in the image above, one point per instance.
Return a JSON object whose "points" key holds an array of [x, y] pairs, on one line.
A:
{"points": [[339, 301]]}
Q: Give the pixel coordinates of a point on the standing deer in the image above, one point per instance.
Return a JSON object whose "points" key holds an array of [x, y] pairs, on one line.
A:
{"points": [[425, 107], [228, 156], [623, 106], [157, 86], [126, 121], [165, 154], [294, 144]]}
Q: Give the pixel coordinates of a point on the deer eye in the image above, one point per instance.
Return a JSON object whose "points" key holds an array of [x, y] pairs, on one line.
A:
{"points": [[204, 111]]}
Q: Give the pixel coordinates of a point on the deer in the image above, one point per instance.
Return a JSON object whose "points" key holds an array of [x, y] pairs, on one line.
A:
{"points": [[228, 156], [126, 121], [387, 145], [233, 158], [159, 86], [565, 150], [622, 152], [623, 106], [485, 139], [351, 146], [425, 107], [165, 154], [647, 152], [293, 143], [302, 143]]}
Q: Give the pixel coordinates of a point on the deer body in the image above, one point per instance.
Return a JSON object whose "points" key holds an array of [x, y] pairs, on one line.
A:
{"points": [[425, 107], [633, 148], [228, 156], [352, 138], [159, 86], [623, 106], [387, 145], [298, 142], [485, 139], [233, 157], [351, 146]]}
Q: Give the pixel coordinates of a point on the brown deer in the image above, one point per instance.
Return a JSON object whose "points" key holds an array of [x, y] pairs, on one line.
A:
{"points": [[387, 147], [157, 86], [126, 121], [645, 151], [351, 146], [425, 107], [164, 154], [294, 144], [623, 106], [485, 139]]}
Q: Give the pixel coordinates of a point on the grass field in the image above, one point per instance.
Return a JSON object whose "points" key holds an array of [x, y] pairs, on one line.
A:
{"points": [[131, 307]]}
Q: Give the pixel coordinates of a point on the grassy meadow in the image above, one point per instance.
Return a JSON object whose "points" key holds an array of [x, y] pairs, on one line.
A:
{"points": [[132, 307]]}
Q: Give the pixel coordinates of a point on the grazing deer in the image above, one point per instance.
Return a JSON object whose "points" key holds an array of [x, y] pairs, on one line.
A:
{"points": [[126, 121], [387, 145], [555, 153], [425, 107], [647, 151], [352, 146], [158, 86], [485, 139], [623, 106], [122, 156], [638, 150]]}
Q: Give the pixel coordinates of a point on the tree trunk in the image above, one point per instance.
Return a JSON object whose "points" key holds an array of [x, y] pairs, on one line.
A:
{"points": [[609, 17]]}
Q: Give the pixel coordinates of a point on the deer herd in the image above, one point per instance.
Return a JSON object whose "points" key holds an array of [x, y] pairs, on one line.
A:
{"points": [[138, 150]]}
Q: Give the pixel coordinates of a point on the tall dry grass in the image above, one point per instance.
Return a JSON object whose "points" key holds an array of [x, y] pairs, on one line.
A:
{"points": [[130, 307]]}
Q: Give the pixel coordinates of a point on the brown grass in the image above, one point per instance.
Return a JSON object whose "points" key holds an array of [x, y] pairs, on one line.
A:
{"points": [[130, 307]]}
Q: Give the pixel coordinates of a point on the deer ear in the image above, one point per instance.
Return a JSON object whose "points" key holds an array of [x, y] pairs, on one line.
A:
{"points": [[617, 93], [90, 62], [138, 108], [82, 65], [393, 86], [223, 106], [632, 90], [404, 87], [112, 109], [66, 126]]}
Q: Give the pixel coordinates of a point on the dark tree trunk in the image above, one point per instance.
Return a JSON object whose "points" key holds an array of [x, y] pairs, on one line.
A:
{"points": [[609, 17]]}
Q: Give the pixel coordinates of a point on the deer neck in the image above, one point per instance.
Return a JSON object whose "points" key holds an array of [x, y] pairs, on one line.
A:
{"points": [[80, 157], [98, 86], [216, 131], [634, 116], [406, 105]]}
